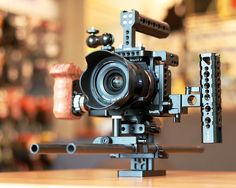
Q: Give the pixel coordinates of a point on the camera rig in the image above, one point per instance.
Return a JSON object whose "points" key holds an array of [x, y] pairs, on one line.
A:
{"points": [[133, 87]]}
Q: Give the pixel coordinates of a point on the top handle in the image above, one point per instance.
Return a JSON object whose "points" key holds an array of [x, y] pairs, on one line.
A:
{"points": [[132, 21]]}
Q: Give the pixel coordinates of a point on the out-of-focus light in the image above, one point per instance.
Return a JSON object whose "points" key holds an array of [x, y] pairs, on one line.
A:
{"points": [[27, 69], [52, 50], [16, 55], [13, 74], [20, 21], [180, 10]]}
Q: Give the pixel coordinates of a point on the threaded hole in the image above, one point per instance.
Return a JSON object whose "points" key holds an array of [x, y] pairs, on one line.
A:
{"points": [[71, 148], [34, 148]]}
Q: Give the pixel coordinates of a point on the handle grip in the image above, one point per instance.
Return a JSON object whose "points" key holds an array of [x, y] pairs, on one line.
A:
{"points": [[133, 21], [66, 81]]}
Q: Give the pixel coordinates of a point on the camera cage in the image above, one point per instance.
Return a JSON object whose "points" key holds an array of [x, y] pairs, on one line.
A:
{"points": [[133, 136]]}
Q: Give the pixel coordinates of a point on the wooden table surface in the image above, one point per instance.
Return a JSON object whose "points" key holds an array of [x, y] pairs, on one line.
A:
{"points": [[108, 178]]}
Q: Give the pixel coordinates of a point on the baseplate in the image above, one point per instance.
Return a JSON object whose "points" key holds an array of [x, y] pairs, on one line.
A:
{"points": [[141, 173]]}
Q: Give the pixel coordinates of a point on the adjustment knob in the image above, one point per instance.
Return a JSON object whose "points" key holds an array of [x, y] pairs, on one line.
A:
{"points": [[92, 31], [107, 39]]}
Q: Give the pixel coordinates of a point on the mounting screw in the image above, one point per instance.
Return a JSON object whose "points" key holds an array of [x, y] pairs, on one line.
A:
{"points": [[106, 140]]}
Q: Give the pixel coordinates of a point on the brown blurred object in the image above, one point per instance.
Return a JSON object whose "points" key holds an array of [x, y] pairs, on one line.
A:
{"points": [[3, 104], [37, 106], [14, 96], [64, 75]]}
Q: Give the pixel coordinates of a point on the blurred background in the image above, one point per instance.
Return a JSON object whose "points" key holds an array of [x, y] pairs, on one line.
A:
{"points": [[34, 34]]}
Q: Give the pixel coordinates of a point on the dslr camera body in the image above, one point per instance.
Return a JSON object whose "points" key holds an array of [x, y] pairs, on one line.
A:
{"points": [[132, 86]]}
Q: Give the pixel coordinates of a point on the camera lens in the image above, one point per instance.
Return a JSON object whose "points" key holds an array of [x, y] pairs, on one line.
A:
{"points": [[111, 81]]}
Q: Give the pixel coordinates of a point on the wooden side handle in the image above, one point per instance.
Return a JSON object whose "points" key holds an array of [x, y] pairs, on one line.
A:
{"points": [[64, 75]]}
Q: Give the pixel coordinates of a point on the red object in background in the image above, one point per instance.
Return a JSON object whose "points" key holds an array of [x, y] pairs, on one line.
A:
{"points": [[29, 107], [14, 104], [64, 75], [233, 3], [4, 111], [32, 105], [14, 96]]}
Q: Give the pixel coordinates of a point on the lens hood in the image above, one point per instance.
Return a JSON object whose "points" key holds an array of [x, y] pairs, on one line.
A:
{"points": [[103, 69]]}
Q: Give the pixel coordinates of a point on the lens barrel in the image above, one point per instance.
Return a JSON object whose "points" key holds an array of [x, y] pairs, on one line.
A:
{"points": [[111, 81]]}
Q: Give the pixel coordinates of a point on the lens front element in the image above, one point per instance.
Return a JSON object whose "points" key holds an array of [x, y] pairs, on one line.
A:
{"points": [[114, 81], [117, 82]]}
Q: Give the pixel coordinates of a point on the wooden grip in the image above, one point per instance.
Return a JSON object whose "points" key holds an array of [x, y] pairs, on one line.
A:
{"points": [[64, 75]]}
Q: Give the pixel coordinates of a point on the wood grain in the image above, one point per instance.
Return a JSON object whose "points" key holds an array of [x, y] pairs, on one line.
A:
{"points": [[108, 178]]}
